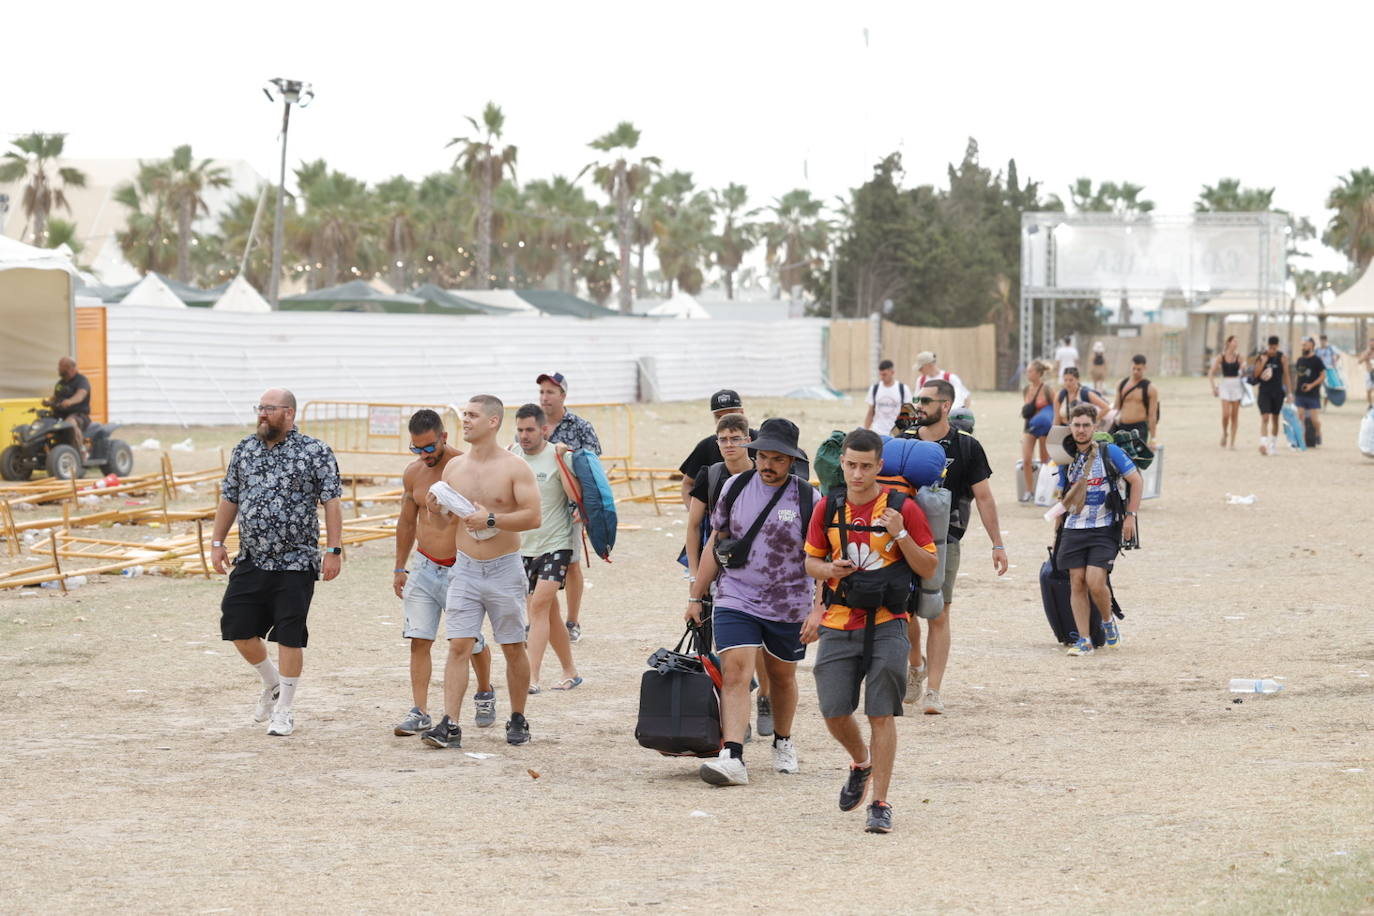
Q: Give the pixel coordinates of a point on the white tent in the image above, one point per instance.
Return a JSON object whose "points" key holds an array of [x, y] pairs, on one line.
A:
{"points": [[152, 291], [682, 305], [37, 317], [1356, 302], [241, 297], [1251, 306], [506, 299]]}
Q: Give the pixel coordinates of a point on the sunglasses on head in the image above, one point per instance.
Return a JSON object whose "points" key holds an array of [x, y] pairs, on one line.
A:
{"points": [[424, 449]]}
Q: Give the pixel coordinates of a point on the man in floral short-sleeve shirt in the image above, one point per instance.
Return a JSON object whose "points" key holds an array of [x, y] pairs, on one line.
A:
{"points": [[275, 480]]}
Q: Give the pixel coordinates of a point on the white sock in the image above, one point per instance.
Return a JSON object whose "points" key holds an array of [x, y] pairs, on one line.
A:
{"points": [[268, 672], [288, 693]]}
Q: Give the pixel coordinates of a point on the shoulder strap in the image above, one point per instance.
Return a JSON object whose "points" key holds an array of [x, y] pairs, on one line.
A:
{"points": [[874, 392], [895, 500], [901, 391], [715, 480], [806, 501], [735, 491]]}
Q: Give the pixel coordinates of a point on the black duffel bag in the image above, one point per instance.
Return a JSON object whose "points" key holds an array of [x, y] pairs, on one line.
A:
{"points": [[679, 701]]}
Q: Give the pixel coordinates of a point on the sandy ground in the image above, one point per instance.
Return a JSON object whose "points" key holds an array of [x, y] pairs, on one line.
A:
{"points": [[133, 777]]}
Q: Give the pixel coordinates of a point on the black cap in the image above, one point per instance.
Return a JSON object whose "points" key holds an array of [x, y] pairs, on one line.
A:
{"points": [[777, 435], [725, 399]]}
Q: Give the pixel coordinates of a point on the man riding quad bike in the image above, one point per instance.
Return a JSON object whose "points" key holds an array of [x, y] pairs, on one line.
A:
{"points": [[63, 440]]}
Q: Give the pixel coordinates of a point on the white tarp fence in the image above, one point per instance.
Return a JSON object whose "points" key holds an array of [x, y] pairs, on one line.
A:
{"points": [[199, 366]]}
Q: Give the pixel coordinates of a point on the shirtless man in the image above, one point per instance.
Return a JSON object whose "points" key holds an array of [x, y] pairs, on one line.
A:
{"points": [[1137, 402], [488, 576], [424, 586]]}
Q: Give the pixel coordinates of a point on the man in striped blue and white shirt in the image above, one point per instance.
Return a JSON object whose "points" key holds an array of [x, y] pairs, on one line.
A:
{"points": [[1096, 520]]}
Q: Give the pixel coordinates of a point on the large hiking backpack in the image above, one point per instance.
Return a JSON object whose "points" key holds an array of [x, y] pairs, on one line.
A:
{"points": [[597, 505], [826, 464], [936, 503]]}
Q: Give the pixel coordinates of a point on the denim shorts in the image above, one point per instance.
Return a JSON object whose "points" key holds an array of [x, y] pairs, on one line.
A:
{"points": [[423, 599]]}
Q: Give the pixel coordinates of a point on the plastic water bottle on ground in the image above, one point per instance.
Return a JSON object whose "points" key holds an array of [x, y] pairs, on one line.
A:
{"points": [[1255, 685], [132, 571]]}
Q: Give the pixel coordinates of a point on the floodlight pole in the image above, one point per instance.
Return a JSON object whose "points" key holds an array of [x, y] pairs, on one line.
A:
{"points": [[274, 287]]}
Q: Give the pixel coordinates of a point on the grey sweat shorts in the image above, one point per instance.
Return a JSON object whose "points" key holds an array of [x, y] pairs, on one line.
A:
{"points": [[494, 589], [838, 671], [951, 569]]}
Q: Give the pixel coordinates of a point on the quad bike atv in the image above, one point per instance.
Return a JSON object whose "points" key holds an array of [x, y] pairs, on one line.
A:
{"points": [[62, 449]]}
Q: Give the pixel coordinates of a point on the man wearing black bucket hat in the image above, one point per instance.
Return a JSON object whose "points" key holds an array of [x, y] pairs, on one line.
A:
{"points": [[763, 595]]}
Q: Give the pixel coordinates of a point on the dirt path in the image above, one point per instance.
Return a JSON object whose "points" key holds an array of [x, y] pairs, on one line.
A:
{"points": [[132, 775]]}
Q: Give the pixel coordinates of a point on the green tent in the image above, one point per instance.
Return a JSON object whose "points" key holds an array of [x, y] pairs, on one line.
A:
{"points": [[353, 296], [554, 302]]}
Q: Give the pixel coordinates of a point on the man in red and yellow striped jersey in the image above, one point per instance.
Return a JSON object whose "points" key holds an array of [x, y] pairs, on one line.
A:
{"points": [[867, 546]]}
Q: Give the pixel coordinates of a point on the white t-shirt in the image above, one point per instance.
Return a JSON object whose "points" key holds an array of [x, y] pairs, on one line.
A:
{"points": [[1067, 357], [960, 392], [886, 401]]}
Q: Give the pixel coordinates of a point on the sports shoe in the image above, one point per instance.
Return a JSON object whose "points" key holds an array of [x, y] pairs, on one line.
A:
{"points": [[785, 756], [446, 734], [879, 818], [517, 729], [915, 681], [765, 716], [1113, 633], [282, 724], [574, 630], [414, 723], [1082, 647], [931, 705], [724, 771], [486, 708], [267, 701], [855, 787]]}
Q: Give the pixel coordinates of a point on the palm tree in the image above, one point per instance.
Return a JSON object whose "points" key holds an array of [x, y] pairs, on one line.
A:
{"points": [[333, 234], [1351, 230], [181, 183], [1227, 196], [397, 199], [31, 160], [486, 166], [795, 237], [566, 222], [736, 237], [146, 239], [681, 219], [622, 180]]}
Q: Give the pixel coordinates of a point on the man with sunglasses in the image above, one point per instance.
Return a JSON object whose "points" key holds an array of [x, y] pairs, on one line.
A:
{"points": [[966, 478], [274, 481], [423, 584]]}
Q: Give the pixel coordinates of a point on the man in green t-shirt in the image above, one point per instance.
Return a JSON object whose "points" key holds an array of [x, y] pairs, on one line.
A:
{"points": [[548, 549]]}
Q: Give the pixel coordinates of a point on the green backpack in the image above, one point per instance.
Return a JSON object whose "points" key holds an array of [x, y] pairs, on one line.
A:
{"points": [[826, 463]]}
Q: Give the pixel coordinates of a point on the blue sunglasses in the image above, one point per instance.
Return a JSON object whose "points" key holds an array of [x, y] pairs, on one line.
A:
{"points": [[424, 449]]}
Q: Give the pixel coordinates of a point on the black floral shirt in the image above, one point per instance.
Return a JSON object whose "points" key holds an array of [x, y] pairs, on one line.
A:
{"points": [[277, 490], [576, 433]]}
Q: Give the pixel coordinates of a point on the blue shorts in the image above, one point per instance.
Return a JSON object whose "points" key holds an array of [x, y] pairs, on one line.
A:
{"points": [[736, 629], [1308, 401], [423, 599]]}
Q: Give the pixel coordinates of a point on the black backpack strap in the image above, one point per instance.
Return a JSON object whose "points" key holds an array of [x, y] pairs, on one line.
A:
{"points": [[715, 480], [734, 492], [746, 543], [806, 501]]}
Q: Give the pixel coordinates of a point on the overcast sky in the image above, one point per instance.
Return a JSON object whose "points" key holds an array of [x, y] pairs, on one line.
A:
{"points": [[771, 95]]}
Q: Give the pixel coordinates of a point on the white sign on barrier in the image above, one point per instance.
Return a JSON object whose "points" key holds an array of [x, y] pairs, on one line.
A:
{"points": [[384, 421]]}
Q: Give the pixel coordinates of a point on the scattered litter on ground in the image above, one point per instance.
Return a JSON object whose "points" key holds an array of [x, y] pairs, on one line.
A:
{"points": [[699, 814], [150, 444], [477, 755], [1233, 500], [185, 445]]}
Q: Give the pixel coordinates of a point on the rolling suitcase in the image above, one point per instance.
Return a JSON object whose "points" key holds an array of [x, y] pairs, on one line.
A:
{"points": [[679, 701], [1054, 594]]}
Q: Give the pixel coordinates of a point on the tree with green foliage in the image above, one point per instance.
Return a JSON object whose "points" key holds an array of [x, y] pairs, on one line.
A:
{"points": [[567, 226], [32, 160], [180, 182], [1351, 229], [486, 166], [682, 221], [1228, 196], [622, 180], [737, 237], [333, 233], [795, 238], [146, 241]]}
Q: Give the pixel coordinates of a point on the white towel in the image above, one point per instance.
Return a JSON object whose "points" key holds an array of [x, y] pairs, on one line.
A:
{"points": [[456, 503]]}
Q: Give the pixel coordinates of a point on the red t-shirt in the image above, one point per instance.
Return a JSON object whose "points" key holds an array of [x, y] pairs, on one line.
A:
{"points": [[876, 547]]}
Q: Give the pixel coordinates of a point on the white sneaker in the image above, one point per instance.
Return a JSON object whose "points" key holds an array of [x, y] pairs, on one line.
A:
{"points": [[915, 682], [785, 756], [267, 701], [932, 705], [724, 771], [283, 723]]}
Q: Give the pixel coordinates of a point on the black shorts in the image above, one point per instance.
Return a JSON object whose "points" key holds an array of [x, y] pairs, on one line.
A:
{"points": [[1270, 401], [552, 566], [1081, 547], [267, 603]]}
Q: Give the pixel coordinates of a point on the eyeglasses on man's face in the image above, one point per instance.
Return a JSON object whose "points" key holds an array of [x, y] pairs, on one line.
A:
{"points": [[730, 440], [269, 408]]}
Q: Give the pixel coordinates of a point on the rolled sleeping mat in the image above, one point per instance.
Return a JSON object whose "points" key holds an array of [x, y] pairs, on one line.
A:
{"points": [[1042, 422], [921, 463], [1335, 387], [935, 502]]}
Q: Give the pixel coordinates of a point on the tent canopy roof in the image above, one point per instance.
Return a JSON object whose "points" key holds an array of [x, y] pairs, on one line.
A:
{"points": [[151, 291], [556, 302], [682, 305], [1358, 300], [355, 295], [241, 297]]}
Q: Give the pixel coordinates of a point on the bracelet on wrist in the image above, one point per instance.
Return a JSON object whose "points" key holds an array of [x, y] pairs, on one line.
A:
{"points": [[998, 547], [696, 600], [401, 569]]}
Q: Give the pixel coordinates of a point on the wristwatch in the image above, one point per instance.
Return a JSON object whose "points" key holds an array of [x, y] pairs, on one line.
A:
{"points": [[334, 550], [491, 519], [216, 543]]}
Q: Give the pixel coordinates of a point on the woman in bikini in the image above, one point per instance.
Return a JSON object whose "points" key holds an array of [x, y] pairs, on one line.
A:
{"points": [[1034, 397], [1229, 390]]}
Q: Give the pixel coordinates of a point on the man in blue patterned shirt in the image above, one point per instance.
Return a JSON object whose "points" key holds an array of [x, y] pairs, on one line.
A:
{"points": [[563, 426], [1096, 520], [275, 480]]}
